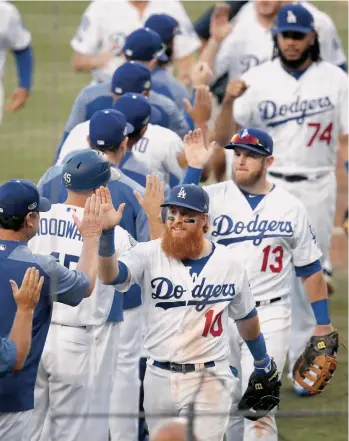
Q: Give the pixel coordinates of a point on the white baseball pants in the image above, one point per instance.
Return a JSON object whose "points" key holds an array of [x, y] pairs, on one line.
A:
{"points": [[319, 197], [275, 320], [62, 386], [14, 426], [126, 386], [168, 392]]}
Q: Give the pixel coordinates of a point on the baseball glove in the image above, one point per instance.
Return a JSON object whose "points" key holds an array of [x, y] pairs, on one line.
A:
{"points": [[262, 394], [315, 367]]}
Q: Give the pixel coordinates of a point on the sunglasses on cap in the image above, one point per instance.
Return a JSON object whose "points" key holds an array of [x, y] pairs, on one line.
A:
{"points": [[249, 140]]}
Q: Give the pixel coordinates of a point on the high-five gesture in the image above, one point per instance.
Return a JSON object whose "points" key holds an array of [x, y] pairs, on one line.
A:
{"points": [[110, 216], [201, 111], [196, 153], [220, 27], [153, 196], [91, 223]]}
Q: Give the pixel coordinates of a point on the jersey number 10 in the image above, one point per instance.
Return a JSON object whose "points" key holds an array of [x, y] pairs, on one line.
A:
{"points": [[213, 326]]}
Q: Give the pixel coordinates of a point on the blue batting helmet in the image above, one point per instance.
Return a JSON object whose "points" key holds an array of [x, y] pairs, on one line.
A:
{"points": [[86, 170]]}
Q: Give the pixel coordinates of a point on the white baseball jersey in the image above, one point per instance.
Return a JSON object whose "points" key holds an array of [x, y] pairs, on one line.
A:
{"points": [[250, 44], [104, 24], [187, 315], [157, 150], [273, 238], [59, 237], [304, 117]]}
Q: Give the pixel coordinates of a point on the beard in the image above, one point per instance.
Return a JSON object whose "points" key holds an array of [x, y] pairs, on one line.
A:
{"points": [[188, 247], [247, 179], [294, 64]]}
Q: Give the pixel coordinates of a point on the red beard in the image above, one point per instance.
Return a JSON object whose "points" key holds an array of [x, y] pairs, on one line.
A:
{"points": [[188, 247]]}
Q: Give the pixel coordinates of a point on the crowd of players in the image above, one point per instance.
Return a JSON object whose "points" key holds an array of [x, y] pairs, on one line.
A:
{"points": [[259, 102]]}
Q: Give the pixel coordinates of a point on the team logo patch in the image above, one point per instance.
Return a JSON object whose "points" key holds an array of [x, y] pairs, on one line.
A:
{"points": [[2, 247], [291, 18], [32, 206], [181, 194]]}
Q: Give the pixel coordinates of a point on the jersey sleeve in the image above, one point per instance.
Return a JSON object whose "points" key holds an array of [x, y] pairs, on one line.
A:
{"points": [[330, 43], [123, 241], [68, 287], [8, 354], [243, 302], [135, 260], [171, 165], [88, 36], [304, 247], [224, 56], [17, 36], [343, 102]]}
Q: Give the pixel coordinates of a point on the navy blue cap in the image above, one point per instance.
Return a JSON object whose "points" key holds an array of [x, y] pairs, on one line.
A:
{"points": [[189, 196], [144, 44], [255, 140], [19, 197], [165, 25], [294, 18], [108, 128], [137, 110], [131, 77]]}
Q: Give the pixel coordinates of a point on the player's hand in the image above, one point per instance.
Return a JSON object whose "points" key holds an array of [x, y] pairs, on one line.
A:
{"points": [[91, 224], [196, 153], [17, 99], [28, 295], [153, 196], [201, 111], [220, 27], [201, 74], [235, 89], [110, 216]]}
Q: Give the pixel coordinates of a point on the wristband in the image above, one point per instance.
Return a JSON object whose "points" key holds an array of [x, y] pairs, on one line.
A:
{"points": [[320, 310], [192, 176], [257, 347], [263, 367], [346, 165], [106, 243]]}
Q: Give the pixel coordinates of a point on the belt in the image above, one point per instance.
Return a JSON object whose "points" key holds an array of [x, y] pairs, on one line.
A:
{"points": [[267, 302], [182, 368], [289, 178]]}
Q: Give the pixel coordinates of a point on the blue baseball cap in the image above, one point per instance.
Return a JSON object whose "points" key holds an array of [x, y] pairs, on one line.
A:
{"points": [[131, 77], [144, 44], [165, 25], [189, 196], [19, 197], [137, 110], [255, 140], [294, 18], [108, 128]]}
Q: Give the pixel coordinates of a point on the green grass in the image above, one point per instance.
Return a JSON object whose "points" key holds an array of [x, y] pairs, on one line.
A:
{"points": [[28, 140]]}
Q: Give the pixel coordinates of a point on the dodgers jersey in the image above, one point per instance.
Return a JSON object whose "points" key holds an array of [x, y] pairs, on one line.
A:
{"points": [[104, 25], [304, 116], [157, 150], [187, 313], [273, 238], [250, 44], [59, 237]]}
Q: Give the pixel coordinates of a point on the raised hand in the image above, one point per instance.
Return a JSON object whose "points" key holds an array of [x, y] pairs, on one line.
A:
{"points": [[235, 89], [220, 27], [153, 196], [91, 224], [28, 295], [195, 150], [201, 74], [110, 216], [201, 111]]}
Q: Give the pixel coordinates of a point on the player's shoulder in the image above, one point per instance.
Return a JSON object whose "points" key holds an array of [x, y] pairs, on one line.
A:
{"points": [[286, 199], [262, 71], [164, 134], [220, 188], [93, 91], [331, 69], [121, 186], [8, 10], [81, 128], [231, 257], [26, 256]]}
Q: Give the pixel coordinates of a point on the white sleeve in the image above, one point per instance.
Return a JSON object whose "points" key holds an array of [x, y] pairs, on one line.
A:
{"points": [[330, 43], [123, 241], [76, 140], [171, 165], [136, 260], [187, 41], [225, 56], [343, 104], [304, 247], [87, 38], [17, 36], [243, 302]]}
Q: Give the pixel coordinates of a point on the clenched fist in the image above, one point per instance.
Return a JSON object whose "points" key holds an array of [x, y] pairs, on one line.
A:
{"points": [[235, 89]]}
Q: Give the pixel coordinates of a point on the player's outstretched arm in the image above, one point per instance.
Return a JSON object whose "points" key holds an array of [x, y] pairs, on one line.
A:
{"points": [[26, 298]]}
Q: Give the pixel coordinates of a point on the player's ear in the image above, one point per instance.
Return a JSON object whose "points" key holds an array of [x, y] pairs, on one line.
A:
{"points": [[143, 130], [312, 37], [269, 161], [88, 140], [29, 220]]}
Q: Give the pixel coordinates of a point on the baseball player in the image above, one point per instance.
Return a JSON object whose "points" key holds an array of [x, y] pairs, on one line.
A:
{"points": [[17, 38], [269, 228], [129, 77], [72, 360], [100, 37], [303, 103], [190, 287], [14, 350], [20, 205]]}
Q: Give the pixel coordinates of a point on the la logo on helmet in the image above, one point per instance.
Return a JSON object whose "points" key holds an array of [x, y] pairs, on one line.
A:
{"points": [[182, 194], [291, 18]]}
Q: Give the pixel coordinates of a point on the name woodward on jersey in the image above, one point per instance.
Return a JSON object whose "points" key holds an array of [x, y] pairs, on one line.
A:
{"points": [[297, 110], [224, 226], [164, 289], [60, 228]]}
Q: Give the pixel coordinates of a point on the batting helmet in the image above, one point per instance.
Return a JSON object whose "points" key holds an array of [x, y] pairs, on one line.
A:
{"points": [[86, 170]]}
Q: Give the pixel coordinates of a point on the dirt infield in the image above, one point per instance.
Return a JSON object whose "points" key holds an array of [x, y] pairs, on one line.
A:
{"points": [[339, 250]]}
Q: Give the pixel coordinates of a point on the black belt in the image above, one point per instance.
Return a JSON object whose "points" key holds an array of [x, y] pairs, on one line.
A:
{"points": [[183, 368], [267, 302], [289, 178]]}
